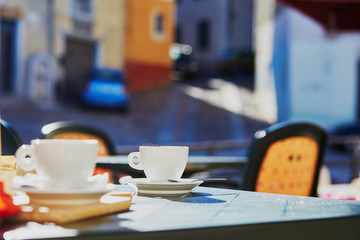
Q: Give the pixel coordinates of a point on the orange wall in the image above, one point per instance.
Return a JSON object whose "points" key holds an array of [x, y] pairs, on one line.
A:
{"points": [[143, 51]]}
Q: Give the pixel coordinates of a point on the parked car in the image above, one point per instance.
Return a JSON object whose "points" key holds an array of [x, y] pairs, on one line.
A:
{"points": [[106, 88], [185, 63]]}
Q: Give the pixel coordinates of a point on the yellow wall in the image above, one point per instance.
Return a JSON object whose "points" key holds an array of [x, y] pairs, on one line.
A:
{"points": [[107, 30], [33, 27], [109, 25], [141, 45], [62, 24]]}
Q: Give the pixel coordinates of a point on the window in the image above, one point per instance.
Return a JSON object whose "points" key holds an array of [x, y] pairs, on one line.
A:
{"points": [[82, 10], [157, 26], [203, 35], [83, 6]]}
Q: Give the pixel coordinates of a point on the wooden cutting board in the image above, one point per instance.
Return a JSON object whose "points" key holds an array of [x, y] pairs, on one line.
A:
{"points": [[61, 214]]}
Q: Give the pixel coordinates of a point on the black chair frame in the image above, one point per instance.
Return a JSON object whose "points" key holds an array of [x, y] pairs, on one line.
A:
{"points": [[10, 140]]}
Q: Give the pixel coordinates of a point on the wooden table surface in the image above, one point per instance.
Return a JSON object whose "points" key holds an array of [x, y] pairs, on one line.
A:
{"points": [[211, 213]]}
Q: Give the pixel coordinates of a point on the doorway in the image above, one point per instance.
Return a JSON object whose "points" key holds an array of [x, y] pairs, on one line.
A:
{"points": [[79, 59]]}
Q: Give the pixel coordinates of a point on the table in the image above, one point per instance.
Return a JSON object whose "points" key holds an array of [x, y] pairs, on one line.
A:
{"points": [[213, 213], [195, 164]]}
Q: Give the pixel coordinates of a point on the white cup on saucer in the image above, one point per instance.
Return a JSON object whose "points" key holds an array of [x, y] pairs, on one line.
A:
{"points": [[160, 163], [60, 163]]}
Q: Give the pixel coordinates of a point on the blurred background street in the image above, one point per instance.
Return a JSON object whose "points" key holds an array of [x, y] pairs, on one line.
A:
{"points": [[185, 111]]}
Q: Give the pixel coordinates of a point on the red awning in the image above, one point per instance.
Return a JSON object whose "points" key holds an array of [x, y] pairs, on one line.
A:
{"points": [[338, 15]]}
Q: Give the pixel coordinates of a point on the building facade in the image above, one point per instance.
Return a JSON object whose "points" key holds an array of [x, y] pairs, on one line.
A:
{"points": [[213, 26], [304, 72], [149, 36], [49, 46]]}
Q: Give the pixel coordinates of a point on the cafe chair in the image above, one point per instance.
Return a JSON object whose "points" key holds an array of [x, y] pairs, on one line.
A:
{"points": [[285, 158], [75, 130], [10, 139]]}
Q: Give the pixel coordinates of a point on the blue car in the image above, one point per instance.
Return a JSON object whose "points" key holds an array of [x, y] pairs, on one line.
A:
{"points": [[106, 88]]}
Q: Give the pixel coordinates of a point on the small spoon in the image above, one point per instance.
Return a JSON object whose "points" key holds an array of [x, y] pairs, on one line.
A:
{"points": [[201, 179]]}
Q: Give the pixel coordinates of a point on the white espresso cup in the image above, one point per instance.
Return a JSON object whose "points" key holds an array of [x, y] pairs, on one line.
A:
{"points": [[160, 163], [59, 163]]}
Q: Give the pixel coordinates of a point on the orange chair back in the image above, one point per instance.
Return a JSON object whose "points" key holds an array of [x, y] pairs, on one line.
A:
{"points": [[285, 158], [288, 167]]}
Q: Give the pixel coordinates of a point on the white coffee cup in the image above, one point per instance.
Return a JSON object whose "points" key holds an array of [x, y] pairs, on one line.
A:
{"points": [[160, 163], [59, 163]]}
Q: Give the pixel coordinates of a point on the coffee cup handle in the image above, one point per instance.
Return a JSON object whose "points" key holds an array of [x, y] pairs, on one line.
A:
{"points": [[133, 155], [24, 157]]}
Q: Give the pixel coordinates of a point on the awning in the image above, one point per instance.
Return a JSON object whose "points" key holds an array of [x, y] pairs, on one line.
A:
{"points": [[334, 15]]}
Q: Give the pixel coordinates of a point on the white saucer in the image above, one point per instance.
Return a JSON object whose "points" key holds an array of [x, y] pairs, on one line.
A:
{"points": [[65, 196], [144, 186]]}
